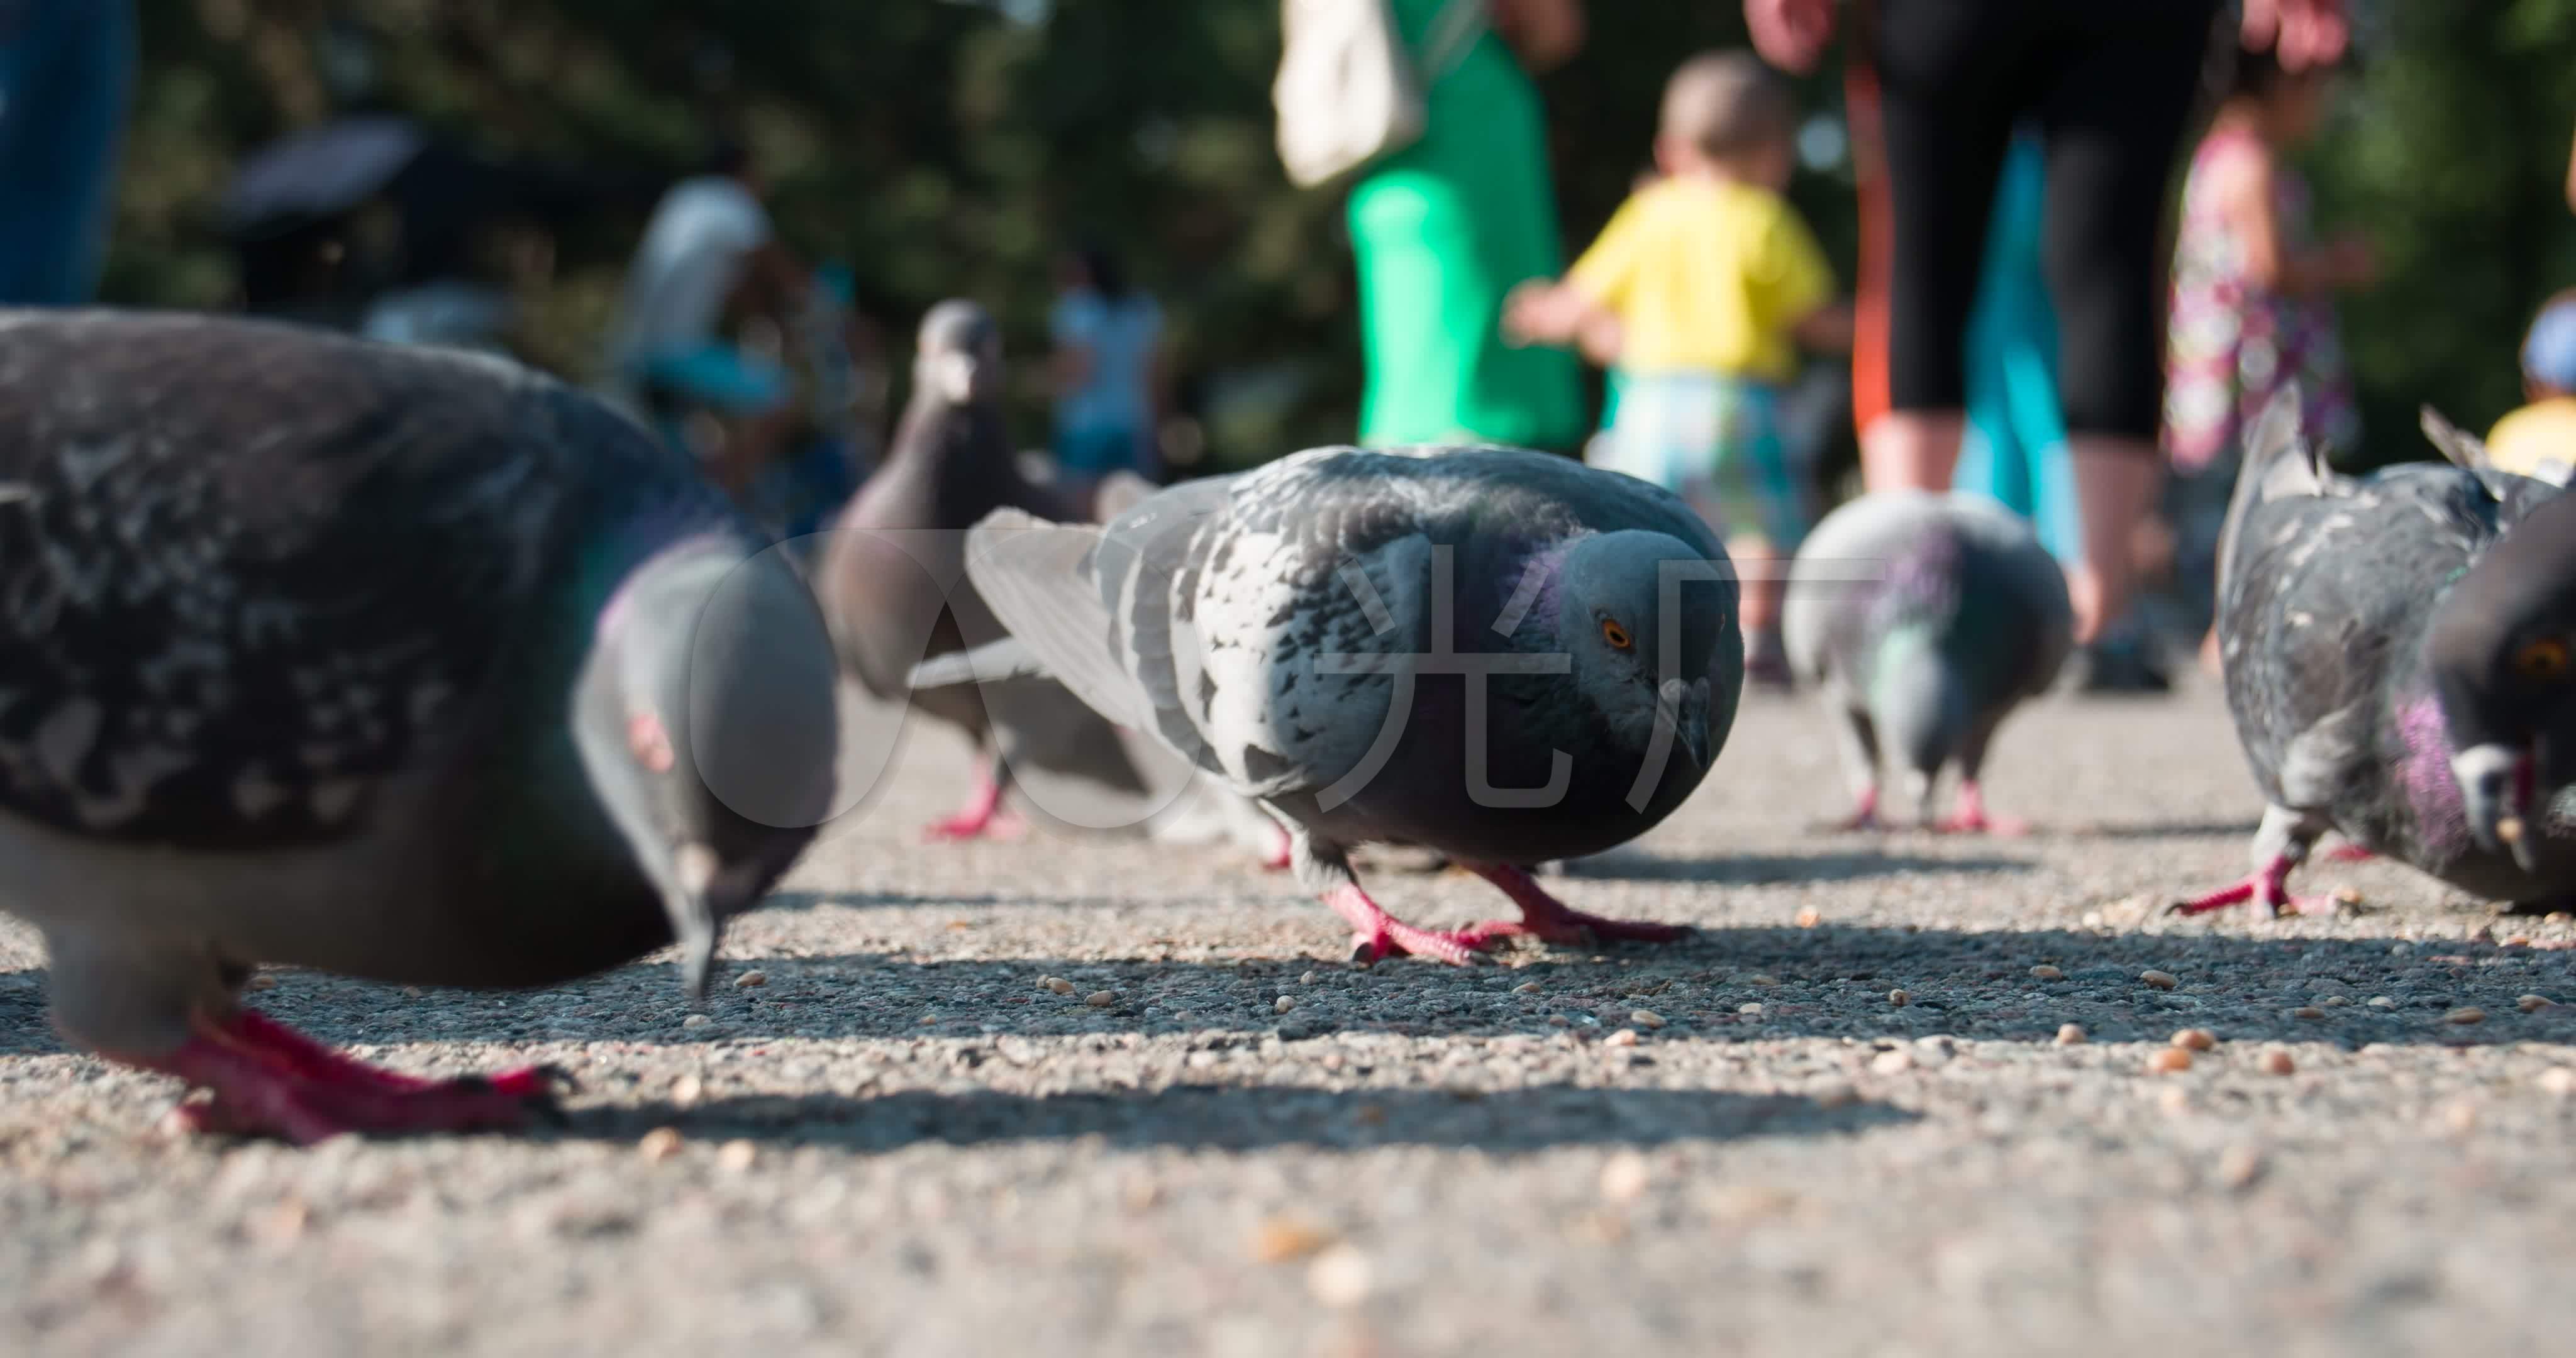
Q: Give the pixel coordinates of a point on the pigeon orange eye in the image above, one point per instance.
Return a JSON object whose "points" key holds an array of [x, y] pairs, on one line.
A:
{"points": [[2542, 659], [1616, 635]]}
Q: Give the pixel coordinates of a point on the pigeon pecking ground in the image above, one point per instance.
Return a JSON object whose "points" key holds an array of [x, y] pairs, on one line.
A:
{"points": [[1091, 1096]]}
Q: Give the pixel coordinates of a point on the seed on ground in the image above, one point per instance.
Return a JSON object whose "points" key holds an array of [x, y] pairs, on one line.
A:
{"points": [[1646, 1018], [1899, 998], [1309, 978], [687, 1090], [2195, 1039], [1623, 1179], [1624, 1037], [750, 979], [1101, 999], [2045, 972], [2170, 1061], [2533, 1004], [659, 1144], [2461, 1117], [1526, 988], [1284, 1003], [2380, 1002], [1809, 918], [1753, 1009], [1761, 979], [2070, 1034], [1059, 985], [1339, 1277], [1892, 1063], [2466, 1014], [696, 1021], [2308, 1012], [1046, 983], [2159, 979], [2558, 1080], [1279, 1240], [261, 983], [2239, 1166], [2278, 1062], [736, 1156]]}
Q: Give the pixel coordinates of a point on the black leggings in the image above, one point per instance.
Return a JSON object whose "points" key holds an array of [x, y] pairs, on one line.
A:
{"points": [[2111, 83]]}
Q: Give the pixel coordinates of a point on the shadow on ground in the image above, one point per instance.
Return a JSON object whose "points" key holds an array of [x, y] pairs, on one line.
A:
{"points": [[1238, 1118], [1755, 869]]}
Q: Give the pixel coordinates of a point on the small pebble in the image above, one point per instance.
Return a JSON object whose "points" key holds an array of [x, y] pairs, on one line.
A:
{"points": [[2070, 1034], [2308, 1012], [1624, 1037], [2158, 979], [2195, 1039], [1809, 918], [2380, 1002], [2239, 1166], [2334, 1001], [736, 1156], [659, 1144], [1892, 1063], [1646, 1018], [2170, 1061], [1899, 999], [1279, 1240], [2461, 1118], [1059, 985], [2466, 1014], [2558, 1080], [687, 1090], [1760, 979], [1339, 1277], [2045, 972], [927, 1020], [1046, 983], [2278, 1062], [1623, 1179], [2533, 1004], [2175, 1100], [1754, 1009], [260, 983], [1309, 978], [1101, 999], [1526, 988], [1284, 1003], [696, 1021], [750, 979]]}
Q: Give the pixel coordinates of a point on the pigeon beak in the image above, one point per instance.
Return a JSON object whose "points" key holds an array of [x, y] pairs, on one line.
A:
{"points": [[1682, 709], [2495, 790]]}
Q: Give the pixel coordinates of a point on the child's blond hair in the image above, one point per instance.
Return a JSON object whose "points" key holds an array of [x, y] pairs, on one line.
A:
{"points": [[1726, 105]]}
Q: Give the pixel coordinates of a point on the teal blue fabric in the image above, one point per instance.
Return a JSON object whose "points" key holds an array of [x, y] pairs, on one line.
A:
{"points": [[2015, 447]]}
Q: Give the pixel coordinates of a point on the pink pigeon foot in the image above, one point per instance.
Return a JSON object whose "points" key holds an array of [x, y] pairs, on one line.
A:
{"points": [[982, 817], [1970, 817], [1864, 816], [2267, 888], [1377, 935], [2349, 853], [1277, 858], [268, 1079], [1550, 920]]}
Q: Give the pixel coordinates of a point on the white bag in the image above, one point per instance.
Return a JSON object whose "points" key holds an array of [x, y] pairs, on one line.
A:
{"points": [[1347, 91]]}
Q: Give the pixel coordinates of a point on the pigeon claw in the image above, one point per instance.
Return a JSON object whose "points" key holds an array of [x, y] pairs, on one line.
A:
{"points": [[2267, 888], [266, 1079]]}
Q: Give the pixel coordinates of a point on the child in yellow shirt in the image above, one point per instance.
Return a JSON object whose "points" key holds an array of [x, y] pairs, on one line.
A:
{"points": [[2539, 440], [1699, 292]]}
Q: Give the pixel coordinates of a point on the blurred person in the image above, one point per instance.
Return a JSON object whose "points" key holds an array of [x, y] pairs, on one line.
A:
{"points": [[66, 77], [1699, 292], [2253, 304], [2539, 439], [710, 252], [1445, 227], [1108, 374], [2112, 86]]}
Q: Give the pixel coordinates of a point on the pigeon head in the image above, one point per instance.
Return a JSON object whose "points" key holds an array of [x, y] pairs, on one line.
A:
{"points": [[958, 356], [1649, 625], [706, 724], [2502, 656]]}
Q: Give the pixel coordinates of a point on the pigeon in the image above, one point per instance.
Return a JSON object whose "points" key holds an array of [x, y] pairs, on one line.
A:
{"points": [[895, 591], [404, 664], [1924, 619], [893, 577], [2396, 652], [1491, 653]]}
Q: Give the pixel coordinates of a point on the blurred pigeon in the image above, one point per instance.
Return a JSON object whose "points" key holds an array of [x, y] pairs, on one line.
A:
{"points": [[412, 666], [1496, 654], [2397, 661], [893, 579], [1925, 619]]}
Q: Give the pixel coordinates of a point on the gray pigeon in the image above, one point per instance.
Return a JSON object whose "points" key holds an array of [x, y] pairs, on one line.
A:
{"points": [[396, 663], [893, 578], [1925, 619], [1496, 654], [895, 590], [2397, 660]]}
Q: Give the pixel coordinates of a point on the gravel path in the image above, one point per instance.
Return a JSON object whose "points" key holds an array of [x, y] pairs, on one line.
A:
{"points": [[906, 1142]]}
